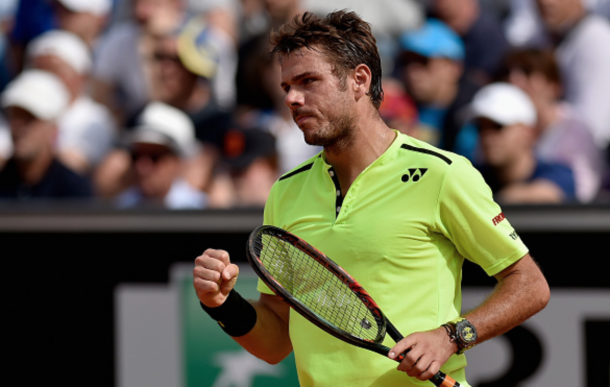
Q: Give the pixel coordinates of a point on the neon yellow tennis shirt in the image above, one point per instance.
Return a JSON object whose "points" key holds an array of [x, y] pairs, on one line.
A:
{"points": [[403, 231]]}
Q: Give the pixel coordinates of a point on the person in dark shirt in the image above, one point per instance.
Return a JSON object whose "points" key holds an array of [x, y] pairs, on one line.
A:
{"points": [[430, 65], [482, 32], [32, 103], [506, 119]]}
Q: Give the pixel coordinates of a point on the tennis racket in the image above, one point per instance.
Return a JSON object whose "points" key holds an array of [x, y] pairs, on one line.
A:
{"points": [[322, 292]]}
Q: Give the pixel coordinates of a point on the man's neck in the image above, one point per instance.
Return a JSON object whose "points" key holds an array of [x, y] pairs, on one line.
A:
{"points": [[521, 169], [32, 171], [371, 139], [548, 113], [560, 32]]}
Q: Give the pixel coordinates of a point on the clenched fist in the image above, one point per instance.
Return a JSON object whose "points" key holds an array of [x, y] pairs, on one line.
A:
{"points": [[214, 276]]}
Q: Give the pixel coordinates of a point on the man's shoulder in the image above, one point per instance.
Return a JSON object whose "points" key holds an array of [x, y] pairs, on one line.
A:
{"points": [[301, 169], [68, 182], [420, 149], [590, 32]]}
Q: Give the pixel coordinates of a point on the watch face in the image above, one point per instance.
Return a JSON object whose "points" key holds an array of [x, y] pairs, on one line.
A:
{"points": [[466, 332]]}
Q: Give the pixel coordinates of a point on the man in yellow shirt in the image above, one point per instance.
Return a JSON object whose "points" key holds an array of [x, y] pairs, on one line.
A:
{"points": [[398, 214]]}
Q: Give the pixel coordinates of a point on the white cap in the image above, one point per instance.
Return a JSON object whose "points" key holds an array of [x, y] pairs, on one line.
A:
{"points": [[63, 44], [39, 92], [503, 103], [96, 7], [162, 124]]}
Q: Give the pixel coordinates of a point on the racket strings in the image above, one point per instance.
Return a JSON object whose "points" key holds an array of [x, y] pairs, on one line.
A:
{"points": [[317, 288]]}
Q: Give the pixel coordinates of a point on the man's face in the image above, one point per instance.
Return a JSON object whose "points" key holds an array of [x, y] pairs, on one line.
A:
{"points": [[172, 80], [155, 168], [84, 24], [502, 145], [280, 9], [156, 13], [447, 9], [31, 136], [425, 77], [556, 13], [321, 104], [53, 64]]}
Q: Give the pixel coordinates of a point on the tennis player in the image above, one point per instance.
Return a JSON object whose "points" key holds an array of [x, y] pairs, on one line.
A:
{"points": [[398, 214]]}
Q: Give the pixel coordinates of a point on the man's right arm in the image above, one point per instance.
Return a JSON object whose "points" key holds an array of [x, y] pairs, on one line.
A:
{"points": [[214, 276]]}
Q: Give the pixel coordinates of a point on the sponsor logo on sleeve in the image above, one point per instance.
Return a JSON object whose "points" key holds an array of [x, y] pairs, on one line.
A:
{"points": [[498, 219]]}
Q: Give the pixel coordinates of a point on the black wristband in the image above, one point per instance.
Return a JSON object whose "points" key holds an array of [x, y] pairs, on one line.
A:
{"points": [[236, 316]]}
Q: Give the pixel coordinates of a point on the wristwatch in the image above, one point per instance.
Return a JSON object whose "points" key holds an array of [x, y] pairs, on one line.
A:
{"points": [[463, 333]]}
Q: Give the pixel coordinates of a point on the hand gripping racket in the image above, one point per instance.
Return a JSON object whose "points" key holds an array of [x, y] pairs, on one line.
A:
{"points": [[322, 292]]}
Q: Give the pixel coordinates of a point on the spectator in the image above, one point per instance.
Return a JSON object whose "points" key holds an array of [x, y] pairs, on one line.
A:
{"points": [[122, 56], [7, 65], [84, 18], [159, 145], [562, 135], [485, 44], [430, 64], [252, 160], [6, 144], [185, 64], [397, 109], [523, 25], [506, 119], [33, 102], [32, 18], [86, 128], [580, 41]]}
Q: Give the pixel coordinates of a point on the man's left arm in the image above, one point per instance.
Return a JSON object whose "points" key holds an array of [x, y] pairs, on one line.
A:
{"points": [[521, 292]]}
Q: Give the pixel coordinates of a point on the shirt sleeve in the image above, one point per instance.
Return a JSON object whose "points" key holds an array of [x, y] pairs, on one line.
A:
{"points": [[468, 216]]}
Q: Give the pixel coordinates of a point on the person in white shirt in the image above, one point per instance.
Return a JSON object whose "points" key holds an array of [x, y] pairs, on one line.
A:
{"points": [[86, 129]]}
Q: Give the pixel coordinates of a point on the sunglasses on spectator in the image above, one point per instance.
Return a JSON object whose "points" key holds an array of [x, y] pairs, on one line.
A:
{"points": [[159, 56], [488, 124], [154, 157]]}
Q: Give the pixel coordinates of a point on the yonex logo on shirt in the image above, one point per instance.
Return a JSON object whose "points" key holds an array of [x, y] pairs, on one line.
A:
{"points": [[415, 174]]}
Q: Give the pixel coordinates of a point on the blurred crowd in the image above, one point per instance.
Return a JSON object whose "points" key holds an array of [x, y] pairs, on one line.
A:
{"points": [[176, 103]]}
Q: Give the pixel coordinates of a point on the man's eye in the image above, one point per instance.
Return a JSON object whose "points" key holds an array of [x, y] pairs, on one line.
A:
{"points": [[307, 81], [286, 89]]}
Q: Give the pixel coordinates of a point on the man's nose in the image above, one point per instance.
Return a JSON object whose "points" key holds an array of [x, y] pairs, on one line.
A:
{"points": [[294, 99]]}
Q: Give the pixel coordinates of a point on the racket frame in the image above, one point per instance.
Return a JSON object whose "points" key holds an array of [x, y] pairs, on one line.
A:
{"points": [[337, 271]]}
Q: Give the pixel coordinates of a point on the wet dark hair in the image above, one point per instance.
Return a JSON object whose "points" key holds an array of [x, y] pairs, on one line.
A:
{"points": [[342, 36]]}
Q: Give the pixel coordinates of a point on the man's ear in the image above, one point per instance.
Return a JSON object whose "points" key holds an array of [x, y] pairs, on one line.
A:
{"points": [[362, 80]]}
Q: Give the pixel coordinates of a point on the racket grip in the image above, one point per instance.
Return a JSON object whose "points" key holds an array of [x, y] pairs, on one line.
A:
{"points": [[441, 379]]}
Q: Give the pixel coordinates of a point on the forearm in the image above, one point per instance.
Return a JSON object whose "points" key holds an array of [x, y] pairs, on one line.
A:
{"points": [[268, 340], [521, 292]]}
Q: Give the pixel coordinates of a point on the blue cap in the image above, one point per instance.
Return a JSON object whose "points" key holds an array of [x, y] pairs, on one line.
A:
{"points": [[433, 40]]}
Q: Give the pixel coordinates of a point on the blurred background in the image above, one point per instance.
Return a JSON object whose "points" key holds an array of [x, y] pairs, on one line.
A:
{"points": [[136, 133]]}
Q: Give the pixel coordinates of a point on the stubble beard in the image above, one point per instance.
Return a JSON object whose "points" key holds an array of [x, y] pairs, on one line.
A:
{"points": [[335, 135]]}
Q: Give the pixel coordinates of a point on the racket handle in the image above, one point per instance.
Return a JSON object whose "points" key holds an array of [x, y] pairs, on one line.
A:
{"points": [[441, 379]]}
